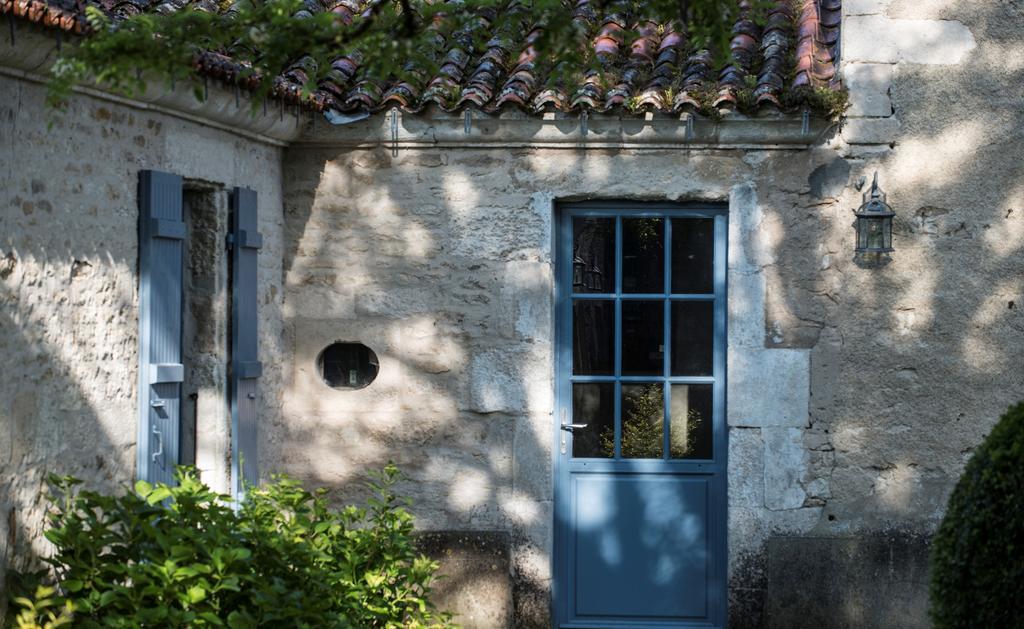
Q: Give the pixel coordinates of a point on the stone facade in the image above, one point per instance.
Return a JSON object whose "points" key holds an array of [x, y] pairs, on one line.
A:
{"points": [[69, 288], [855, 394]]}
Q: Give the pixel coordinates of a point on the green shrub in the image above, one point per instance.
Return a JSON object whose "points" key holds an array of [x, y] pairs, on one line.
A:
{"points": [[978, 553], [43, 611], [181, 556]]}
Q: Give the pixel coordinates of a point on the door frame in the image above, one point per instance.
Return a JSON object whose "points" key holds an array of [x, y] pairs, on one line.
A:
{"points": [[717, 467]]}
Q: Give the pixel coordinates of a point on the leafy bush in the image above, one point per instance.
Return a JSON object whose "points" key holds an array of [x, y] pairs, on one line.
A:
{"points": [[44, 611], [978, 553], [174, 556]]}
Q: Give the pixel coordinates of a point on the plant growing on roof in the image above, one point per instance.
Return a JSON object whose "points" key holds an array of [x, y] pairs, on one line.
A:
{"points": [[254, 41]]}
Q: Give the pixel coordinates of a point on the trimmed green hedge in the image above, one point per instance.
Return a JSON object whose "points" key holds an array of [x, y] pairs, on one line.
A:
{"points": [[978, 553]]}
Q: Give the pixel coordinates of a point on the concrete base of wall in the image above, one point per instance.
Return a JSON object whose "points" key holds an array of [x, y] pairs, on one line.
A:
{"points": [[876, 580]]}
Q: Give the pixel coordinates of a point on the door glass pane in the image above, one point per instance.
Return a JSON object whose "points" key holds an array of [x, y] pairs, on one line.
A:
{"points": [[593, 332], [593, 255], [693, 336], [693, 249], [593, 404], [643, 256], [643, 342], [690, 432], [643, 411]]}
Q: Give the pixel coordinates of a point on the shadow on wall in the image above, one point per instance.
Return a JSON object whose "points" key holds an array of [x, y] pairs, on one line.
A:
{"points": [[923, 353], [910, 364], [440, 262], [913, 363], [50, 423]]}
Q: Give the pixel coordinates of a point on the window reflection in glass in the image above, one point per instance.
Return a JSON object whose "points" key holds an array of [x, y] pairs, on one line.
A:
{"points": [[693, 336], [593, 404], [693, 255], [593, 331], [593, 255], [643, 412], [643, 255], [643, 343], [690, 431]]}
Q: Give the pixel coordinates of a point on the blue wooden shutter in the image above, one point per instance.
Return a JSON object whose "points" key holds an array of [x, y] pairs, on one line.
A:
{"points": [[245, 242], [161, 247]]}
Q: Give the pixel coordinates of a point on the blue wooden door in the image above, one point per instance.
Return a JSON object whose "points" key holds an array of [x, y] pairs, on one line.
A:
{"points": [[640, 492]]}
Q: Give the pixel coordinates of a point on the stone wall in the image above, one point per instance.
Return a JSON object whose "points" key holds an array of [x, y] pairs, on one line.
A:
{"points": [[856, 394], [69, 288], [440, 261]]}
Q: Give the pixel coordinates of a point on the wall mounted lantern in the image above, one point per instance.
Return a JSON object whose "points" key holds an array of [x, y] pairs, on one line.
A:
{"points": [[874, 223]]}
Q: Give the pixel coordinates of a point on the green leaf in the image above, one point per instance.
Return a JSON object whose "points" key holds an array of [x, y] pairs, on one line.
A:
{"points": [[107, 597], [196, 593], [72, 585], [159, 494]]}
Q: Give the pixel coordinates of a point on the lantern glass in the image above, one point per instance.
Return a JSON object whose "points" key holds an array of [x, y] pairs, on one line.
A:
{"points": [[874, 223], [876, 233]]}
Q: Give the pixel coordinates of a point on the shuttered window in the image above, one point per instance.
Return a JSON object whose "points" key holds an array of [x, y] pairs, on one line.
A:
{"points": [[162, 234], [245, 242], [161, 244]]}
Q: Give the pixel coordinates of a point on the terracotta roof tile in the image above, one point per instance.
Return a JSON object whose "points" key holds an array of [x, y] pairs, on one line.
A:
{"points": [[633, 64]]}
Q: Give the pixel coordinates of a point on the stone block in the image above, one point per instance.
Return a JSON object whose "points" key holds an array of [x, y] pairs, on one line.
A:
{"points": [[746, 309], [532, 458], [747, 531], [768, 387], [868, 85], [746, 252], [746, 468], [877, 39], [865, 7], [870, 130], [495, 386], [785, 464], [475, 569], [746, 608]]}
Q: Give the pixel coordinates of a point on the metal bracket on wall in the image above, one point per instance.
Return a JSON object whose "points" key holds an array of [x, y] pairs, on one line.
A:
{"points": [[394, 132]]}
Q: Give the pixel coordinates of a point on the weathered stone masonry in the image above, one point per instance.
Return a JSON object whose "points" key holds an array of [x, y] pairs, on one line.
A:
{"points": [[69, 288], [855, 394]]}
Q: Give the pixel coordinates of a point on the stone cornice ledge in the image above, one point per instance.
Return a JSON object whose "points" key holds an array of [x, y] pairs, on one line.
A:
{"points": [[437, 129], [34, 50]]}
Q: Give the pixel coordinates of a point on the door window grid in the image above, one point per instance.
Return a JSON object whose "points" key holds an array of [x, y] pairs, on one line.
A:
{"points": [[665, 381]]}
